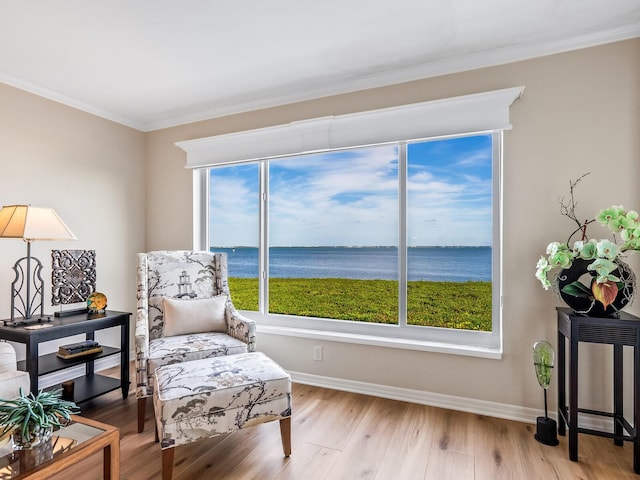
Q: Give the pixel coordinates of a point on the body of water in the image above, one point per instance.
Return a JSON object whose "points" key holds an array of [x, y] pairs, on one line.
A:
{"points": [[450, 264]]}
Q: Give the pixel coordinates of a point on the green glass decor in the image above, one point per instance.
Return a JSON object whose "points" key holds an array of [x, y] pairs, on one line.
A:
{"points": [[543, 361]]}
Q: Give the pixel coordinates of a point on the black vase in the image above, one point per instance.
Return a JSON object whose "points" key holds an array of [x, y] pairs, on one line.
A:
{"points": [[591, 306]]}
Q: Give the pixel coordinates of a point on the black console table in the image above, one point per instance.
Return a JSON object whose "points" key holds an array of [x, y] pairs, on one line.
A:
{"points": [[619, 332], [91, 384]]}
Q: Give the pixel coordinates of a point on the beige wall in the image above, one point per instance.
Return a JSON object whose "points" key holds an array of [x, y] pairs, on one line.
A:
{"points": [[91, 171], [580, 113]]}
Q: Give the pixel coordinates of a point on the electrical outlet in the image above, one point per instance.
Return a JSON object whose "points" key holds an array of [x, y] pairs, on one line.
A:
{"points": [[317, 353]]}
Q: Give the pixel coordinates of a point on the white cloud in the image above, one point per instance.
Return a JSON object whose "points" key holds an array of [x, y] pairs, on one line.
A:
{"points": [[233, 210], [336, 200], [351, 198]]}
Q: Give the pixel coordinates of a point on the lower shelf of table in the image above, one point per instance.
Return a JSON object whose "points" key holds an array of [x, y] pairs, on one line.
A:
{"points": [[50, 362], [89, 387]]}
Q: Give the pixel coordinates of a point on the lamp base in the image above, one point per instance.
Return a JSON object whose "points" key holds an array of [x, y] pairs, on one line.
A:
{"points": [[20, 322], [546, 431]]}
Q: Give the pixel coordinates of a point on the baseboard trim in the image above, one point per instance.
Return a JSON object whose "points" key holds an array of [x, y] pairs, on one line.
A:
{"points": [[451, 402]]}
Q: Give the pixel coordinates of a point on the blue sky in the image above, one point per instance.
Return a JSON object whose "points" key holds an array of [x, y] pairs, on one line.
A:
{"points": [[350, 197]]}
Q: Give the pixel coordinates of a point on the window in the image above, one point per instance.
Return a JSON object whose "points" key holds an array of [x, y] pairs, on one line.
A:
{"points": [[234, 207], [393, 243], [333, 243], [332, 248], [450, 232]]}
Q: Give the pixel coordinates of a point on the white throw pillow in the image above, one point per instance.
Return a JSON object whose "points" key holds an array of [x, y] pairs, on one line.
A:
{"points": [[182, 317]]}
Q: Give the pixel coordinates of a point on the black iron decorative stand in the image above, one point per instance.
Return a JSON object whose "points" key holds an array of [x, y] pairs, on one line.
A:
{"points": [[28, 278]]}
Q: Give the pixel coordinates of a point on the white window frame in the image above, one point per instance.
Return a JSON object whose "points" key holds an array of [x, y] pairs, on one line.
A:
{"points": [[477, 113]]}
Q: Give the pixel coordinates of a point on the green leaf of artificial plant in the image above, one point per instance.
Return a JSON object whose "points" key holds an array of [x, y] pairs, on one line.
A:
{"points": [[577, 289]]}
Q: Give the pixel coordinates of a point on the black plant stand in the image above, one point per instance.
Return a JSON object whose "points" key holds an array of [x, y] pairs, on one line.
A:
{"points": [[619, 332]]}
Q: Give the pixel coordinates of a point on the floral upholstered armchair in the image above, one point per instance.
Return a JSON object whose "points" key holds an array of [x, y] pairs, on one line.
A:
{"points": [[184, 313]]}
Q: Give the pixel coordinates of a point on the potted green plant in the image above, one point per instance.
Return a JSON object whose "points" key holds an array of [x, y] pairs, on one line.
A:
{"points": [[32, 418], [612, 283]]}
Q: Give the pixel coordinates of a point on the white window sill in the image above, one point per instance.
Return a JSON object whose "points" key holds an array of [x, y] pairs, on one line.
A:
{"points": [[466, 350]]}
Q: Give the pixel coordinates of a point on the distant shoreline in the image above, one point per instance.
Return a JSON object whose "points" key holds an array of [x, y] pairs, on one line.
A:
{"points": [[458, 264]]}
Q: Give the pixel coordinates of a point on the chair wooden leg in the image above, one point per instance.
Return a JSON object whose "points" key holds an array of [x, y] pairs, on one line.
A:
{"points": [[167, 463], [285, 434], [142, 406]]}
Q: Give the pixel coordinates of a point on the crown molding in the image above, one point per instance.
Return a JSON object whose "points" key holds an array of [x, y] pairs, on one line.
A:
{"points": [[441, 67], [427, 70], [71, 102]]}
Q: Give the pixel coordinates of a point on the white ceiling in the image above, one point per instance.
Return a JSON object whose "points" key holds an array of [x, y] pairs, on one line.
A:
{"points": [[151, 64]]}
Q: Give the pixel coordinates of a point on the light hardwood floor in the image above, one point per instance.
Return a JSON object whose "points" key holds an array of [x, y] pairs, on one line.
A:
{"points": [[338, 435]]}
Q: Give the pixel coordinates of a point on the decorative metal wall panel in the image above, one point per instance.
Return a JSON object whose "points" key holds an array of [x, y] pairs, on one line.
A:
{"points": [[73, 275]]}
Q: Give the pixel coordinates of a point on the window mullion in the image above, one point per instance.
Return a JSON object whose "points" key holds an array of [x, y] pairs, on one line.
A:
{"points": [[402, 234], [263, 244]]}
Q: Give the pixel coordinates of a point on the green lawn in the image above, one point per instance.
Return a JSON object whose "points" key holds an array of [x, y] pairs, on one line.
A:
{"points": [[441, 304]]}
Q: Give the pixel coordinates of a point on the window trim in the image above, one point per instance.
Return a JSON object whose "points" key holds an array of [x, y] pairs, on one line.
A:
{"points": [[328, 134], [478, 112], [468, 349], [400, 335]]}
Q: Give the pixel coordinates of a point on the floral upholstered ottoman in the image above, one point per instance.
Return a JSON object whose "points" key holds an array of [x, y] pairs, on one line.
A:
{"points": [[212, 396]]}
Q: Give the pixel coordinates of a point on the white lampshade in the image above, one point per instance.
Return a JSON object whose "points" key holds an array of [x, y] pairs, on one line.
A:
{"points": [[32, 223]]}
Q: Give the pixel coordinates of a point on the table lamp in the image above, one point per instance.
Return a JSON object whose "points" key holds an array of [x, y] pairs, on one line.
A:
{"points": [[30, 223], [543, 360]]}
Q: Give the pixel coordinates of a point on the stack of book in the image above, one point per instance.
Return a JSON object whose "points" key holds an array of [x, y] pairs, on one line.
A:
{"points": [[73, 350]]}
